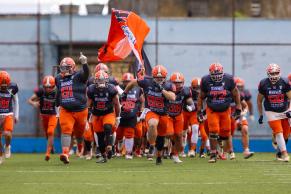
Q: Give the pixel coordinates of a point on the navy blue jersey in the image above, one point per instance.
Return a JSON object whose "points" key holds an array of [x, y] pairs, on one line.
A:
{"points": [[71, 91], [102, 99], [247, 95], [131, 105], [218, 94], [6, 98], [276, 99], [175, 108], [154, 99], [47, 101]]}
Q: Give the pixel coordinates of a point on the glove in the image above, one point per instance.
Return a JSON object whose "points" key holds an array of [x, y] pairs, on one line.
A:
{"points": [[261, 119], [82, 59], [288, 114], [189, 108], [237, 114], [200, 116]]}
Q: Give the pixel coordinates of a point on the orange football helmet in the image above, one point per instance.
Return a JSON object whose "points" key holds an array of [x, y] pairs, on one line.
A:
{"points": [[67, 66], [5, 80], [195, 83], [159, 74], [101, 79], [216, 72], [273, 72], [289, 77], [127, 77], [178, 79], [101, 66]]}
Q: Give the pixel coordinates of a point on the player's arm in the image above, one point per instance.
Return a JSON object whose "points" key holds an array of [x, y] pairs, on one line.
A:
{"points": [[244, 105], [169, 95], [288, 94], [16, 107], [33, 101], [116, 105], [201, 97], [85, 68], [250, 106], [236, 97], [142, 102], [260, 99], [130, 85]]}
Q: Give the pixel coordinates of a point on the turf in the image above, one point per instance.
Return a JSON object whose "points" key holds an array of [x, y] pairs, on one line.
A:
{"points": [[29, 173]]}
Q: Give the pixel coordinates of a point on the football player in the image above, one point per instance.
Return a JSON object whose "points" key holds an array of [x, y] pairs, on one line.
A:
{"points": [[275, 92], [71, 98]]}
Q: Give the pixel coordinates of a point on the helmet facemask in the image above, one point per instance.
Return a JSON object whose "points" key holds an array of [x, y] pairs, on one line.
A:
{"points": [[274, 76], [66, 69]]}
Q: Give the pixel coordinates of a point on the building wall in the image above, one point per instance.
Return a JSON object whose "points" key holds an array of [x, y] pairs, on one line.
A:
{"points": [[186, 45]]}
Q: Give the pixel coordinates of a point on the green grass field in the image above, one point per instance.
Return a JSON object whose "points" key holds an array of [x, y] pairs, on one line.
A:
{"points": [[29, 173]]}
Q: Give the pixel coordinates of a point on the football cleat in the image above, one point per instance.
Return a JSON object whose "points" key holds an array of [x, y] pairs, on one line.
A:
{"points": [[247, 154], [231, 155], [159, 160], [176, 159], [7, 152], [101, 159], [128, 157], [191, 154], [150, 154], [183, 155], [47, 158], [202, 155], [64, 158], [212, 158]]}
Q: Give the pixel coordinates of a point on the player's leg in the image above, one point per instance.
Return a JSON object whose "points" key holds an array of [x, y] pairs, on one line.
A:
{"points": [[277, 128], [213, 125], [97, 122], [108, 124], [178, 124], [129, 142], [225, 132], [8, 129], [204, 140], [152, 120], [245, 139], [51, 126], [1, 149], [79, 128], [67, 122], [138, 139], [194, 135]]}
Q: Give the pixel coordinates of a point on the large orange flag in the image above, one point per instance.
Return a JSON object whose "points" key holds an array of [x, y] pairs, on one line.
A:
{"points": [[127, 33]]}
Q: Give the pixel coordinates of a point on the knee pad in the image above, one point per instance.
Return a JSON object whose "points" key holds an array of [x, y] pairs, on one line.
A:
{"points": [[66, 140], [107, 129], [160, 143]]}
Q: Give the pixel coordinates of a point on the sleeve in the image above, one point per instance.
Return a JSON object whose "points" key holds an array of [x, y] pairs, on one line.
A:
{"points": [[187, 92], [142, 83], [90, 93], [113, 90], [113, 81], [169, 86], [84, 73], [38, 92], [232, 84], [287, 86], [203, 85], [261, 87], [90, 81], [14, 88], [58, 91]]}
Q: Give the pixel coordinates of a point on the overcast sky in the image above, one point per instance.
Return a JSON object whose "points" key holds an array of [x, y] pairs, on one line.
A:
{"points": [[47, 6]]}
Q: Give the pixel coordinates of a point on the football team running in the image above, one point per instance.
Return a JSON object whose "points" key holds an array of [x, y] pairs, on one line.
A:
{"points": [[155, 116]]}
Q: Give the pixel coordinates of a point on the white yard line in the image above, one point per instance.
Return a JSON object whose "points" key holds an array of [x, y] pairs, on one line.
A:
{"points": [[162, 183]]}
